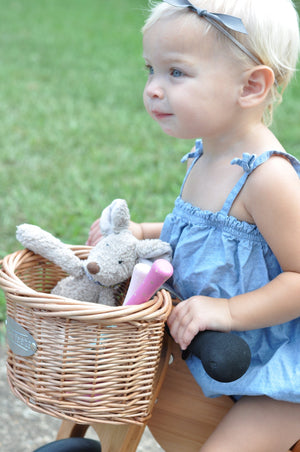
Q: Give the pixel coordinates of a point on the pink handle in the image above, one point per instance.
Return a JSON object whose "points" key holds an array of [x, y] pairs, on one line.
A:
{"points": [[160, 271], [139, 273]]}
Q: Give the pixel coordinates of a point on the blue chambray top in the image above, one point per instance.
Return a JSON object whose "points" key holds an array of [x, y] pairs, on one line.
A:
{"points": [[216, 255]]}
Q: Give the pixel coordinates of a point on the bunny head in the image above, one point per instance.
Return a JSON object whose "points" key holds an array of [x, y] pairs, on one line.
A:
{"points": [[112, 260]]}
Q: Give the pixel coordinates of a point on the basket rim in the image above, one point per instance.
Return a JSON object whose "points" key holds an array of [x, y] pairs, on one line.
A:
{"points": [[54, 305]]}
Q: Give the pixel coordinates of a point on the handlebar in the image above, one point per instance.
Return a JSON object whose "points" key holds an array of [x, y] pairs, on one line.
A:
{"points": [[225, 356]]}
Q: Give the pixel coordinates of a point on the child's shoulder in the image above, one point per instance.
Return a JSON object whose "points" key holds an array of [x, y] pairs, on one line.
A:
{"points": [[274, 166], [277, 175]]}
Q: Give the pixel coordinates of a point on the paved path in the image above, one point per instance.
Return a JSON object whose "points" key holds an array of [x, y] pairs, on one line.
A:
{"points": [[23, 430]]}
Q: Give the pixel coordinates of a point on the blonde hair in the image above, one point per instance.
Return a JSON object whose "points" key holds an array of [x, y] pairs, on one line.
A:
{"points": [[273, 35]]}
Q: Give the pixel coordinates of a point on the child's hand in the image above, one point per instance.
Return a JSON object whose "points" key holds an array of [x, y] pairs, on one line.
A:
{"points": [[198, 314], [94, 234]]}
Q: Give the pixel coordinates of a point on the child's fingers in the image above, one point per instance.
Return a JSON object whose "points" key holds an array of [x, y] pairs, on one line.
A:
{"points": [[94, 234], [182, 325], [95, 226]]}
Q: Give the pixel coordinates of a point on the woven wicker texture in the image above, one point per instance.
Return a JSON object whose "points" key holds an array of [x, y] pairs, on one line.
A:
{"points": [[93, 363]]}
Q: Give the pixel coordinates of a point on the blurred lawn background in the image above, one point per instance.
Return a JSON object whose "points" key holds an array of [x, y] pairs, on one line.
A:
{"points": [[73, 131]]}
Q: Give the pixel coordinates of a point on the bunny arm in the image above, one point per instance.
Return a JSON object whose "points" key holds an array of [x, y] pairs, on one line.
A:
{"points": [[152, 249], [41, 242]]}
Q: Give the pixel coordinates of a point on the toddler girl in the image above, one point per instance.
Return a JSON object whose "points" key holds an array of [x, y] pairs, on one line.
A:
{"points": [[216, 68]]}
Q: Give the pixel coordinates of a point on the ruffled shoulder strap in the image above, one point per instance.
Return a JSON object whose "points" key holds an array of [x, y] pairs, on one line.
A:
{"points": [[249, 163], [195, 155]]}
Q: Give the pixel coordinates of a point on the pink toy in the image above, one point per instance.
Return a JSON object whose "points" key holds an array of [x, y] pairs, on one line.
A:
{"points": [[160, 271], [139, 273]]}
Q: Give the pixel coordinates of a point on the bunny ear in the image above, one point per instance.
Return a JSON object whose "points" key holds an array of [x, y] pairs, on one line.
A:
{"points": [[115, 217]]}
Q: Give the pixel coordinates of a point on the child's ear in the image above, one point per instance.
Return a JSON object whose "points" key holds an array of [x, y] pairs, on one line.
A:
{"points": [[256, 86]]}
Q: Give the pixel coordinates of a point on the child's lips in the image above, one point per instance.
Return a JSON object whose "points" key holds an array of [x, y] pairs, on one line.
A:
{"points": [[161, 115]]}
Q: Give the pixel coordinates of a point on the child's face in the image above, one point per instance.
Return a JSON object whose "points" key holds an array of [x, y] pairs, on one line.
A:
{"points": [[193, 86]]}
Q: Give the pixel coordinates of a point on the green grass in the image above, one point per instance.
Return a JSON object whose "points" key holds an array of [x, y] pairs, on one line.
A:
{"points": [[73, 131]]}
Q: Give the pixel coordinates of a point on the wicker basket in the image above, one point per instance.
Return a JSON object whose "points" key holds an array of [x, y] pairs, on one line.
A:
{"points": [[88, 362]]}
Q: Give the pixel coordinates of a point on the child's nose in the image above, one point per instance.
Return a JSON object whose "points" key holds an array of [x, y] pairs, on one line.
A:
{"points": [[154, 89]]}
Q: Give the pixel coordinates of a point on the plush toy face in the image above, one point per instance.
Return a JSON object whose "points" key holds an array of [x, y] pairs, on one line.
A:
{"points": [[112, 260]]}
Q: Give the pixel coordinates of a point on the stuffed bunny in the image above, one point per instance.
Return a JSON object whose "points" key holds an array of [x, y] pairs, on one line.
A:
{"points": [[108, 264]]}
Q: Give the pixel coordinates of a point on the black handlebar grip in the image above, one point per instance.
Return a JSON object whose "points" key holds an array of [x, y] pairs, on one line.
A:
{"points": [[225, 356]]}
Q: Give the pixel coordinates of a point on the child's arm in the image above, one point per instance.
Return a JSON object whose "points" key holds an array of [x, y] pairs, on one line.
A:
{"points": [[272, 197], [139, 230], [146, 230]]}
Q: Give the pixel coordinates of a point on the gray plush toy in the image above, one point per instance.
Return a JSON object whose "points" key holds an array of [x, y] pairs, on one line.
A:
{"points": [[108, 264]]}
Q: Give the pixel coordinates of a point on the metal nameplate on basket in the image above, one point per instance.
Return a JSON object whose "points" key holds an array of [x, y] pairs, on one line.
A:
{"points": [[19, 340]]}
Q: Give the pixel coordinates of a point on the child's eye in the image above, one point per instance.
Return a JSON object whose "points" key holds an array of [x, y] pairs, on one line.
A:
{"points": [[176, 73], [149, 69]]}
